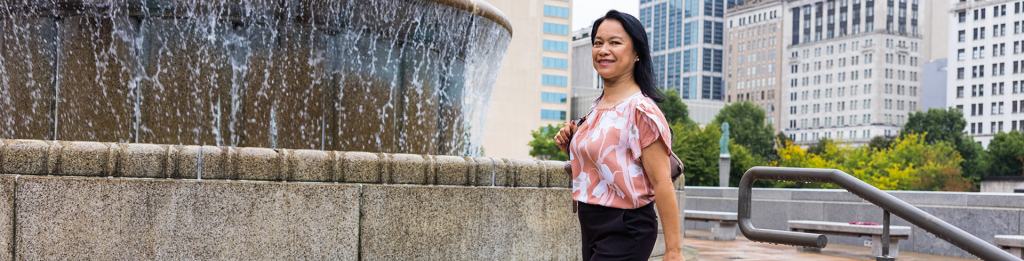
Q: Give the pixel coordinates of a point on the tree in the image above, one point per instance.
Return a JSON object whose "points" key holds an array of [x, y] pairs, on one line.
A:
{"points": [[819, 148], [740, 161], [880, 142], [674, 109], [543, 145], [698, 149], [1008, 150], [947, 125], [781, 139], [940, 125], [748, 128], [909, 163]]}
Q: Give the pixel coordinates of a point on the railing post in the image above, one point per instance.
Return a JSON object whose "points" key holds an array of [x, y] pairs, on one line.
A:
{"points": [[885, 238]]}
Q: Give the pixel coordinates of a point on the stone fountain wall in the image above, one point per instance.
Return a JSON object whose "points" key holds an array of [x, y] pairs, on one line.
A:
{"points": [[91, 200]]}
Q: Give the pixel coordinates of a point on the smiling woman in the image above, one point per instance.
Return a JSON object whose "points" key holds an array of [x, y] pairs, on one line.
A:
{"points": [[620, 151]]}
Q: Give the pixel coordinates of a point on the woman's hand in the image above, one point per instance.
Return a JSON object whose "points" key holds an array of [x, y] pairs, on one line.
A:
{"points": [[564, 135]]}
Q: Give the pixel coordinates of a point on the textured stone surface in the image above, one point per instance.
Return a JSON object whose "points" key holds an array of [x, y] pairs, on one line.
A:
{"points": [[451, 170], [117, 219], [845, 227], [143, 160], [361, 167], [1010, 240], [710, 215], [24, 157], [491, 172], [6, 216], [982, 223], [831, 195], [201, 162], [554, 174], [310, 165], [407, 169], [253, 164], [922, 198], [85, 159], [465, 223], [526, 172]]}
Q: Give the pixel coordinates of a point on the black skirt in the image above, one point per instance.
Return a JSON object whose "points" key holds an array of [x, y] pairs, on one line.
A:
{"points": [[617, 234]]}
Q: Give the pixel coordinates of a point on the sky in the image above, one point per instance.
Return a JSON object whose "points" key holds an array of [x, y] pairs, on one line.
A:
{"points": [[584, 12]]}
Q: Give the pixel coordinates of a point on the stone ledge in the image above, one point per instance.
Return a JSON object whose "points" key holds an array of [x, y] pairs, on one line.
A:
{"points": [[102, 159]]}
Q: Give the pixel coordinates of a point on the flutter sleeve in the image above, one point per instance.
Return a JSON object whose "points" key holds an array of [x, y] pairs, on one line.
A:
{"points": [[649, 126]]}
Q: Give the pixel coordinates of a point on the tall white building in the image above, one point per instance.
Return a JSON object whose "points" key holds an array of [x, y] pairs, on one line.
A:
{"points": [[986, 65], [753, 56], [533, 86], [852, 68]]}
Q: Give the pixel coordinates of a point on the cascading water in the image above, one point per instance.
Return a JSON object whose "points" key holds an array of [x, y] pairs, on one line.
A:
{"points": [[410, 76]]}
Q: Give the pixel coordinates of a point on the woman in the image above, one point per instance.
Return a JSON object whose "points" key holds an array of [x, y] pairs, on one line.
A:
{"points": [[620, 152]]}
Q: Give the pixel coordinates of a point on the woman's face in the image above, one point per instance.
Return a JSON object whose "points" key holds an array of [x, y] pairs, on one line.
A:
{"points": [[613, 53]]}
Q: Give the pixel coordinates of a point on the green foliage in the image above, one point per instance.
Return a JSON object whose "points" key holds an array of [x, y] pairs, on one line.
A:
{"points": [[781, 140], [741, 160], [748, 128], [674, 109], [880, 142], [1008, 150], [698, 149], [820, 147], [947, 125], [940, 125], [909, 163], [543, 145]]}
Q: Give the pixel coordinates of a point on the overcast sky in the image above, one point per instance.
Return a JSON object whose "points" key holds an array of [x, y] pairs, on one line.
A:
{"points": [[584, 12]]}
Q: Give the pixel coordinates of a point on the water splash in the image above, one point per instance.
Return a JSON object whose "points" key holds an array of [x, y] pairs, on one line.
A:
{"points": [[409, 76]]}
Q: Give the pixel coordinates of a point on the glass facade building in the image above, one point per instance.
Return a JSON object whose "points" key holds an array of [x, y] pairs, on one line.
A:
{"points": [[686, 39]]}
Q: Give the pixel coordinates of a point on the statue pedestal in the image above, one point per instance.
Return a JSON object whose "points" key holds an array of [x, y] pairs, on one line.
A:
{"points": [[723, 170]]}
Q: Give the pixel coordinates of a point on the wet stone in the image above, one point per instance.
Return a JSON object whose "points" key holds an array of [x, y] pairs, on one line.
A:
{"points": [[361, 167], [24, 157]]}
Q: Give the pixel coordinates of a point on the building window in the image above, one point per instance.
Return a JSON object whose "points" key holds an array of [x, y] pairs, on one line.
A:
{"points": [[554, 80], [553, 97], [556, 11], [556, 46], [552, 115], [555, 63], [556, 29]]}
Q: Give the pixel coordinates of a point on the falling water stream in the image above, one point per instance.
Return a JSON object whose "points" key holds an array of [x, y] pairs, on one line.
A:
{"points": [[411, 76]]}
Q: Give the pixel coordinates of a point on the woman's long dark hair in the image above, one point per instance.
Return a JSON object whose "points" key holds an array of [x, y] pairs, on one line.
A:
{"points": [[643, 71]]}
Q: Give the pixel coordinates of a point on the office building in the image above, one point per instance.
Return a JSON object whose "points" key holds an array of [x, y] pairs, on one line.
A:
{"points": [[852, 68], [686, 40], [533, 85], [986, 66], [753, 56]]}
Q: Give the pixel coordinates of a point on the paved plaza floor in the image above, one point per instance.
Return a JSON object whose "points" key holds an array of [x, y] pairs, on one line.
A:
{"points": [[742, 249]]}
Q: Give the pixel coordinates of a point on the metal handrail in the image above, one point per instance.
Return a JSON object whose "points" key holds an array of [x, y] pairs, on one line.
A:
{"points": [[889, 203]]}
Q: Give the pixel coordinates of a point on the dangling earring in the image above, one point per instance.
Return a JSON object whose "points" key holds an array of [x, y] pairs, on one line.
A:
{"points": [[637, 59]]}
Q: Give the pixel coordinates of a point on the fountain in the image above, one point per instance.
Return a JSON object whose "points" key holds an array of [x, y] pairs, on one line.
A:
{"points": [[409, 76]]}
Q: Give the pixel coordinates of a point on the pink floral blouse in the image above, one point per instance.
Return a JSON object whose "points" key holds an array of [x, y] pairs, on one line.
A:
{"points": [[605, 153]]}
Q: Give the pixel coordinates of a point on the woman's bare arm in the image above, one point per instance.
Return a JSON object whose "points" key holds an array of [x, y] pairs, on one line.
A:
{"points": [[656, 166]]}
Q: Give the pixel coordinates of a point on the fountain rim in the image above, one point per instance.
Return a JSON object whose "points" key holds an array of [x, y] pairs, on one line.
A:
{"points": [[478, 8], [481, 8]]}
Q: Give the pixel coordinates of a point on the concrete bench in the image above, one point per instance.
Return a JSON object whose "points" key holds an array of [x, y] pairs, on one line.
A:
{"points": [[723, 224], [896, 233], [1013, 244]]}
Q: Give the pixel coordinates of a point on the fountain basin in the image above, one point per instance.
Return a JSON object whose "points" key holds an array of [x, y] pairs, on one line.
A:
{"points": [[410, 76]]}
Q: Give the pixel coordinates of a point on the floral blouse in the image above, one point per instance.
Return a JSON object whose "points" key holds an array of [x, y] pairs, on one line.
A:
{"points": [[605, 153]]}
